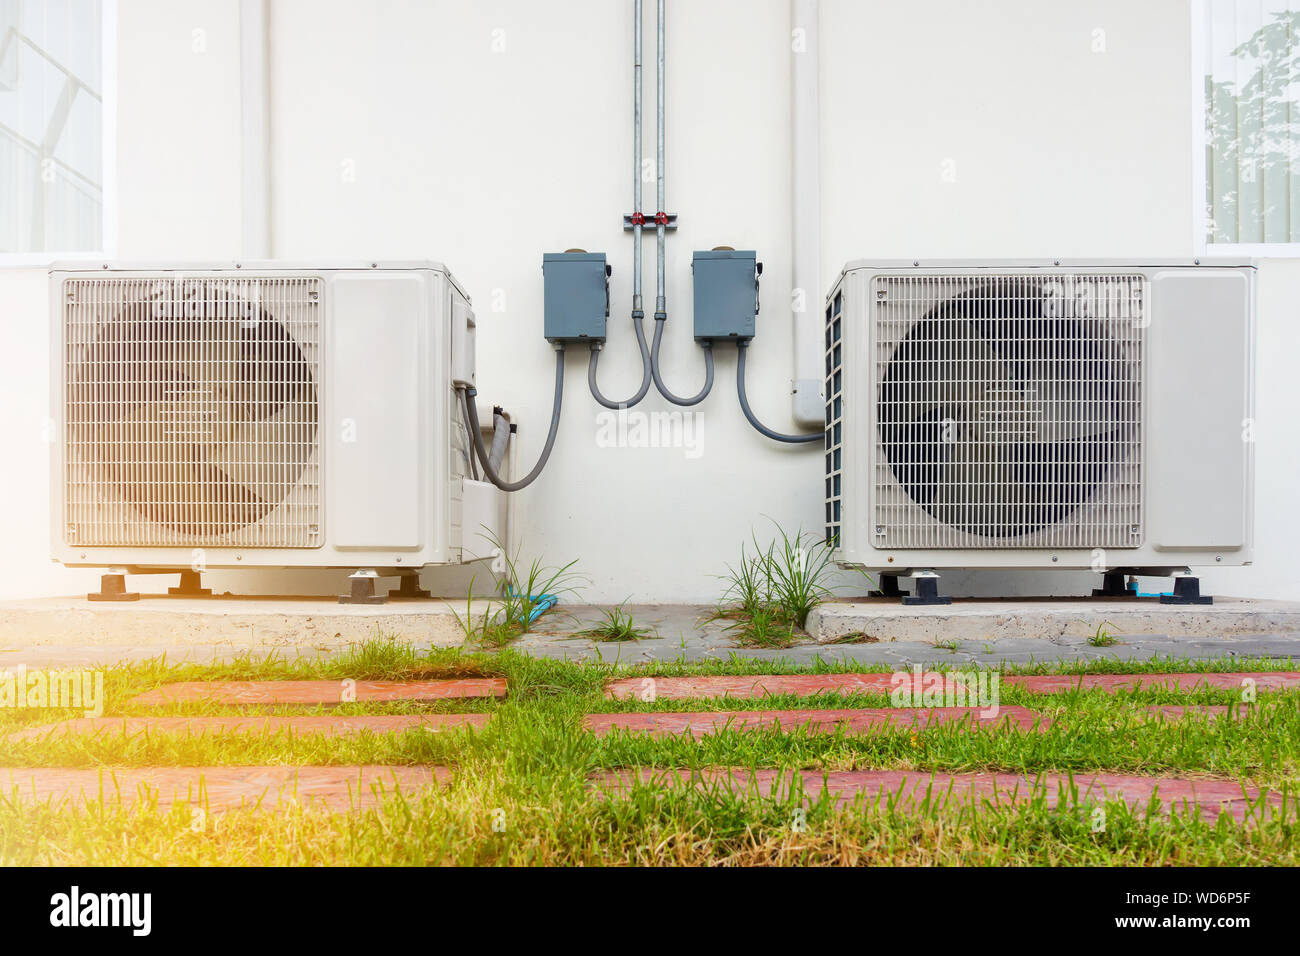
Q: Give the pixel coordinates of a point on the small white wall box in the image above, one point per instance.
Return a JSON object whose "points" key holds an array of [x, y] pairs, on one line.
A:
{"points": [[1091, 414], [263, 416]]}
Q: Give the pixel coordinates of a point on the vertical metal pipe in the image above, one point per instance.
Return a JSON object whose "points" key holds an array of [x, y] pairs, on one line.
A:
{"points": [[255, 138], [809, 407], [661, 307], [637, 311]]}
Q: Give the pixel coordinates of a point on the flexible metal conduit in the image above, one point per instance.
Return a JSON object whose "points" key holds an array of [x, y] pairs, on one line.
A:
{"points": [[476, 431], [741, 352], [638, 310], [659, 382]]}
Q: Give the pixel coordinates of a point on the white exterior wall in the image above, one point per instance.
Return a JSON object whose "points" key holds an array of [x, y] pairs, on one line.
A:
{"points": [[949, 128]]}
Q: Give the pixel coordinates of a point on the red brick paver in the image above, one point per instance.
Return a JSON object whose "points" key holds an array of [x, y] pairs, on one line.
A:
{"points": [[329, 726], [909, 787], [816, 721], [218, 788], [1059, 683], [321, 691], [806, 685], [1178, 711], [694, 688]]}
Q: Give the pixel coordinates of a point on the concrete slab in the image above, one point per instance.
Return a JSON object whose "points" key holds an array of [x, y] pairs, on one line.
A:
{"points": [[72, 632], [319, 691], [218, 788], [853, 721], [908, 789], [244, 623], [329, 725], [977, 619]]}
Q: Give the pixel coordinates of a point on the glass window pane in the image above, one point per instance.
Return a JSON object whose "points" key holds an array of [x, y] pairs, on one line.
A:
{"points": [[51, 122], [1252, 106]]}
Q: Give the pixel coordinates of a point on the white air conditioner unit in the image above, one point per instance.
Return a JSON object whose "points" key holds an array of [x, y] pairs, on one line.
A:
{"points": [[1095, 415], [263, 415]]}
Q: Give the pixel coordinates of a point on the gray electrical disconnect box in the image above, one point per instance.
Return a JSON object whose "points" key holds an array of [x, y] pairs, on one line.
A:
{"points": [[726, 293], [576, 296]]}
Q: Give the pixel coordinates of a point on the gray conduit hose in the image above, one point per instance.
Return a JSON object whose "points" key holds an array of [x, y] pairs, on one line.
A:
{"points": [[741, 352], [659, 382], [645, 371], [476, 433]]}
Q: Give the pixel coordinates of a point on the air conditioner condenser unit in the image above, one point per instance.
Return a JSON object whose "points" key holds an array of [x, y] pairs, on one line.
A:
{"points": [[264, 416], [1091, 415]]}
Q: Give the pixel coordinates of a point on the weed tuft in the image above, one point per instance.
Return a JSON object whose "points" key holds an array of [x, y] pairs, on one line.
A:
{"points": [[772, 590], [524, 593], [618, 625]]}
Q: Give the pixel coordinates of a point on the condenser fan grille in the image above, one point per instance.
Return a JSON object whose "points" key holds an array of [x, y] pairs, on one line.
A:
{"points": [[191, 411], [1009, 411]]}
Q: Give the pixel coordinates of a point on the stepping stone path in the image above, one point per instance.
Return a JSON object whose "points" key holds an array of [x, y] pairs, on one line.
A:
{"points": [[320, 691], [1210, 797], [219, 788], [329, 726], [267, 788], [806, 685], [816, 721]]}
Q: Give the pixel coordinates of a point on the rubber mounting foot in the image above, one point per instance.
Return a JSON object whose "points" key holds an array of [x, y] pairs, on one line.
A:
{"points": [[1187, 590], [191, 586], [1114, 585], [927, 592], [363, 592], [888, 587], [112, 587], [409, 587]]}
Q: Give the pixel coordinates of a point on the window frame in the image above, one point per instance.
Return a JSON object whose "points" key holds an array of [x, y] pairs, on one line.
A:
{"points": [[108, 159], [1200, 33]]}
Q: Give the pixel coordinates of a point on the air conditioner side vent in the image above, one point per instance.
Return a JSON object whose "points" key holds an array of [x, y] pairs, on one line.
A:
{"points": [[833, 446]]}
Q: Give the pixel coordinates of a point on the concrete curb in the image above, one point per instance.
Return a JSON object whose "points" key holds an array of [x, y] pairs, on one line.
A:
{"points": [[244, 623], [887, 620]]}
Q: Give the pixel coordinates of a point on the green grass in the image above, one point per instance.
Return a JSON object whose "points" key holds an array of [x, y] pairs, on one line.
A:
{"points": [[617, 625], [533, 761]]}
